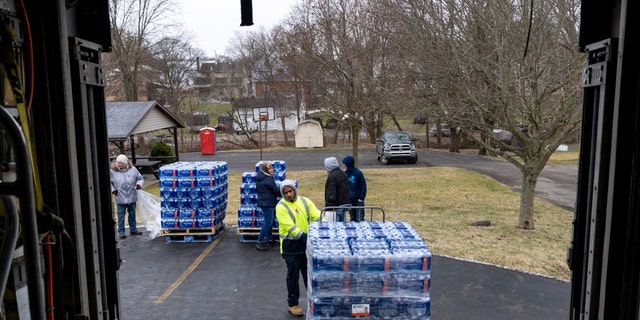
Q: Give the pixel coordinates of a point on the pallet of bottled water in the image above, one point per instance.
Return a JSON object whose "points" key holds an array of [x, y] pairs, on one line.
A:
{"points": [[193, 198], [250, 216], [376, 270]]}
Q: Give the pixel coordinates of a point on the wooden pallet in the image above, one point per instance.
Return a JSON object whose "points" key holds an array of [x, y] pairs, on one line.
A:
{"points": [[192, 235], [253, 230], [251, 234], [191, 231]]}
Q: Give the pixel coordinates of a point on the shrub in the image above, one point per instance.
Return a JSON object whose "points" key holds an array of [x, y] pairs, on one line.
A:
{"points": [[163, 150]]}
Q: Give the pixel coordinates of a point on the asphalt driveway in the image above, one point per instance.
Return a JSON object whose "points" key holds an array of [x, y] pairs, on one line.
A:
{"points": [[230, 279]]}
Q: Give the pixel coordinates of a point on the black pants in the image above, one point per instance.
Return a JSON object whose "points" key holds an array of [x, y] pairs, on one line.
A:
{"points": [[296, 265]]}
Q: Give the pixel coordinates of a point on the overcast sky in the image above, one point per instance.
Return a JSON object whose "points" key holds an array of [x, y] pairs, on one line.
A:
{"points": [[213, 23]]}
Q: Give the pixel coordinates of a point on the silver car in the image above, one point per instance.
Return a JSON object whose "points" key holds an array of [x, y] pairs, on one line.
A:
{"points": [[396, 145]]}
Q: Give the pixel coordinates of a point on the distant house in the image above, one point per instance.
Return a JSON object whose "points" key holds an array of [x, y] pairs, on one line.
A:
{"points": [[125, 120], [309, 134]]}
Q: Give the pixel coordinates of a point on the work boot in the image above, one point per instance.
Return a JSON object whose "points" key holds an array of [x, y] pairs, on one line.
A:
{"points": [[296, 311], [136, 233], [122, 235], [261, 246]]}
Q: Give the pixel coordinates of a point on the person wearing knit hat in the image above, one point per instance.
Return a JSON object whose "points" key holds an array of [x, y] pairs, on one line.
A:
{"points": [[122, 159], [336, 187], [357, 189], [126, 180], [294, 213]]}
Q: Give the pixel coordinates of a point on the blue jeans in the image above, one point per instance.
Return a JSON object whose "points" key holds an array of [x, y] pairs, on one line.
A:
{"points": [[296, 266], [339, 214], [266, 233], [356, 214], [122, 210]]}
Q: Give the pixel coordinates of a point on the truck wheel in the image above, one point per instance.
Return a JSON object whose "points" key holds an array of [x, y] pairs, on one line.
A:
{"points": [[384, 160], [413, 160]]}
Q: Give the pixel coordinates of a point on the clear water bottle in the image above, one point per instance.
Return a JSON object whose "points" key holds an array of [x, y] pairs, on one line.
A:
{"points": [[208, 203], [168, 192], [248, 188], [279, 176], [171, 203], [195, 203], [387, 308], [182, 203], [326, 307], [207, 192], [418, 308]]}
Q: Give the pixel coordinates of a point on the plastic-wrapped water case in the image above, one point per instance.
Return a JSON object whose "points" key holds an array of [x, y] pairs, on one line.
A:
{"points": [[247, 188], [249, 199], [249, 177], [374, 307], [248, 211], [169, 213], [250, 222], [168, 192], [193, 194], [205, 213], [378, 270]]}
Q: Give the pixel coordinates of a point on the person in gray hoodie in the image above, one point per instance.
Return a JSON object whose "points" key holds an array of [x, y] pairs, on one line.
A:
{"points": [[295, 213], [126, 180], [336, 188]]}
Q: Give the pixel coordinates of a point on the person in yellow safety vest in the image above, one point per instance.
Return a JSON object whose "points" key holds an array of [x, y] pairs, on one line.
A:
{"points": [[294, 214]]}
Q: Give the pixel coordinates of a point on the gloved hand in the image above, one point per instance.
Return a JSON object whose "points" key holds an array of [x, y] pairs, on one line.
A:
{"points": [[138, 186], [114, 192], [303, 237]]}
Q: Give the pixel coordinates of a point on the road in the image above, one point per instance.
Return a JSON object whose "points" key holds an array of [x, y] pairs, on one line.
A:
{"points": [[556, 183]]}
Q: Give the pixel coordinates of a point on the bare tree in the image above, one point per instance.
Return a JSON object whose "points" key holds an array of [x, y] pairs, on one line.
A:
{"points": [[173, 71], [174, 61], [353, 60], [134, 26], [505, 63]]}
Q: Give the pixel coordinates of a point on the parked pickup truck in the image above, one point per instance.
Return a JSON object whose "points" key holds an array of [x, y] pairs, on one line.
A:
{"points": [[396, 145]]}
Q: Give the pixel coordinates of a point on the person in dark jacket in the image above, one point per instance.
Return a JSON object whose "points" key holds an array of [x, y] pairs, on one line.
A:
{"points": [[268, 193], [336, 188], [294, 214], [126, 180], [357, 189]]}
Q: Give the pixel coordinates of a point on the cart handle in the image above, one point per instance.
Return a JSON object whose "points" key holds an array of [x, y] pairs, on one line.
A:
{"points": [[365, 208]]}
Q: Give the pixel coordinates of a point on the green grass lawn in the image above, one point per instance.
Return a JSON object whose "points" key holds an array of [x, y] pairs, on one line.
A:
{"points": [[442, 202]]}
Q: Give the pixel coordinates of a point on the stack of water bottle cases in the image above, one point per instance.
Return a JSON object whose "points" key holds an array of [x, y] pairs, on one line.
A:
{"points": [[250, 216], [193, 195], [373, 270]]}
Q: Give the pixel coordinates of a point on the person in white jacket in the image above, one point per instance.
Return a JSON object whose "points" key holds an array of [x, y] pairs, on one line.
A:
{"points": [[126, 180]]}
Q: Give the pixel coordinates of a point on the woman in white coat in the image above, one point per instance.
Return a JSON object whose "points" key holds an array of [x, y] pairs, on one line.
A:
{"points": [[125, 181]]}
